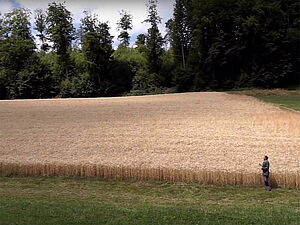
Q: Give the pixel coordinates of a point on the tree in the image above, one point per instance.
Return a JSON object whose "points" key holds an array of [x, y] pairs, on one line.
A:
{"points": [[154, 41], [22, 75], [141, 39], [61, 32], [16, 47], [124, 24], [266, 51], [169, 30], [40, 27], [97, 49], [1, 27], [214, 44], [228, 43], [180, 31]]}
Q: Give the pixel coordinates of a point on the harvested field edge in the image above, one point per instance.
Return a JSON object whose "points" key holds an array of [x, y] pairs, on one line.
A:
{"points": [[156, 174]]}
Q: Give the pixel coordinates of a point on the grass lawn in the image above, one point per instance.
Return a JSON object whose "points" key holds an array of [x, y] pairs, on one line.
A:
{"points": [[43, 200], [292, 101], [285, 98]]}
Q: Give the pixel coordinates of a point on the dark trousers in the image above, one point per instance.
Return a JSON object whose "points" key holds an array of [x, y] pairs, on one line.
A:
{"points": [[267, 181]]}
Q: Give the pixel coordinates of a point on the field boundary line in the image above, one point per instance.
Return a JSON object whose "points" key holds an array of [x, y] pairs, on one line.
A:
{"points": [[103, 98], [289, 109], [156, 174]]}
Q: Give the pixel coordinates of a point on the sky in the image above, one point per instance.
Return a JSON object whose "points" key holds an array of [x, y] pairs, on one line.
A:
{"points": [[107, 10]]}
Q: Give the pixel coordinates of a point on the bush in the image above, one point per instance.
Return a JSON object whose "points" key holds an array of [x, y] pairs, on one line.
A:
{"points": [[78, 86], [144, 82]]}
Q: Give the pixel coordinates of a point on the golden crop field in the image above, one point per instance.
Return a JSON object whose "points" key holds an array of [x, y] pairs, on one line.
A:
{"points": [[202, 137]]}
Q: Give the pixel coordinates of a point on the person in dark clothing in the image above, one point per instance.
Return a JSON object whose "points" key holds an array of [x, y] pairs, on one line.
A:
{"points": [[265, 166]]}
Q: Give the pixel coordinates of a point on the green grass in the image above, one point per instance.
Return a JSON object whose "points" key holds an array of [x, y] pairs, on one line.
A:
{"points": [[93, 201], [284, 98], [291, 101]]}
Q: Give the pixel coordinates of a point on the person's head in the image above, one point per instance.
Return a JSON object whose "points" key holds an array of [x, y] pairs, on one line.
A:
{"points": [[266, 157]]}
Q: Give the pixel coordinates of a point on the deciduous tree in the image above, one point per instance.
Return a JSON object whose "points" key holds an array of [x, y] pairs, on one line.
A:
{"points": [[97, 48], [61, 33]]}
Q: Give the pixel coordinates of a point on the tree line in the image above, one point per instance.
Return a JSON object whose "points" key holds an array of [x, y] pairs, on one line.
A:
{"points": [[209, 45]]}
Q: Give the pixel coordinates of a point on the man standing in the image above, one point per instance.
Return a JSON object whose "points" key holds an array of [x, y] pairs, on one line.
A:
{"points": [[265, 172]]}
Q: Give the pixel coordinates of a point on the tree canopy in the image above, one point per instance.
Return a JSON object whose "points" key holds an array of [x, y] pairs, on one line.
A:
{"points": [[209, 45]]}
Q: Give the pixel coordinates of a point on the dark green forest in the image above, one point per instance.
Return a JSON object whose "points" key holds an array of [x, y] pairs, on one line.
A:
{"points": [[209, 45]]}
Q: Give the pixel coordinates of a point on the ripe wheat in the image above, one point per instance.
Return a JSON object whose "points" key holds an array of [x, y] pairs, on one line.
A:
{"points": [[194, 137]]}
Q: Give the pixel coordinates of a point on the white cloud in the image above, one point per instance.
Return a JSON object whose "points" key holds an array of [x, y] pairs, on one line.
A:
{"points": [[108, 11], [5, 6]]}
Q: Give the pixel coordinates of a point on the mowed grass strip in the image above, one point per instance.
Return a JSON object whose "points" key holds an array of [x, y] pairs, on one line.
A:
{"points": [[292, 101], [98, 201], [284, 98]]}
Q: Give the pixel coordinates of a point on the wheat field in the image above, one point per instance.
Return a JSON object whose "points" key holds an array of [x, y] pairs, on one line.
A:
{"points": [[205, 137]]}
